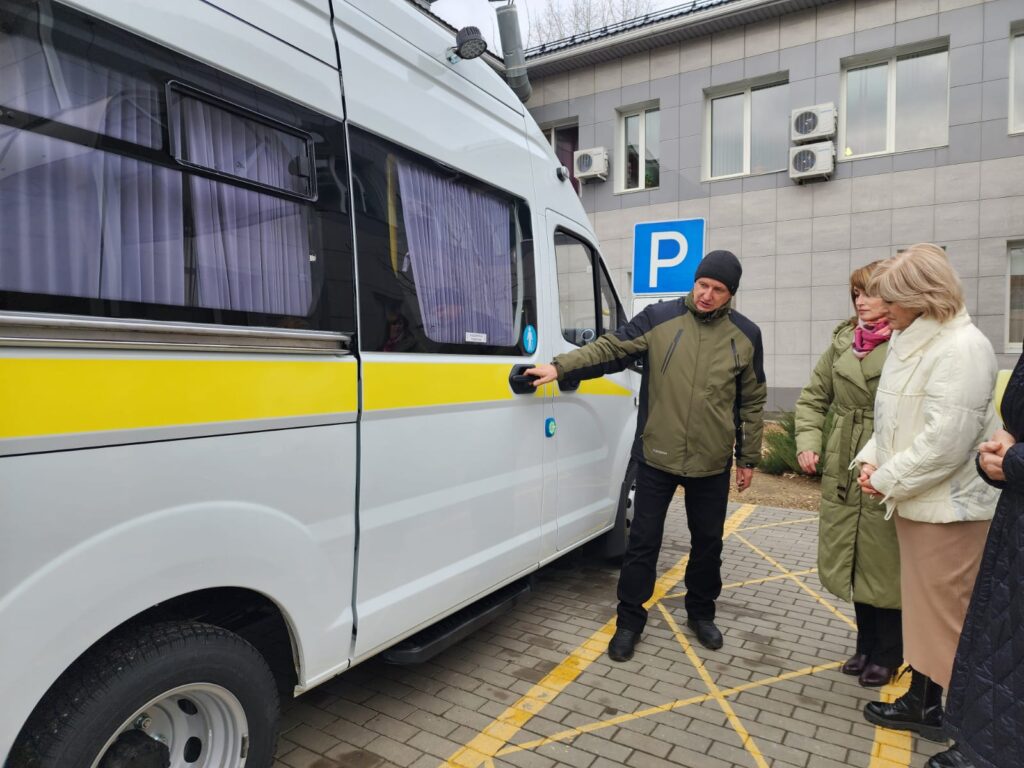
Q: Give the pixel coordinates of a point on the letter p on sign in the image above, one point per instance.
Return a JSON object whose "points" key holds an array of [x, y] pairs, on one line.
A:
{"points": [[658, 259], [665, 255]]}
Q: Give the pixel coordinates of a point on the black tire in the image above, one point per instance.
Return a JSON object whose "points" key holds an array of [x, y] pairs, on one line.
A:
{"points": [[617, 538], [111, 681]]}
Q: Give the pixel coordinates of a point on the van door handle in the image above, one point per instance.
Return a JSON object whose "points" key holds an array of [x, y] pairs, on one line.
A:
{"points": [[520, 383]]}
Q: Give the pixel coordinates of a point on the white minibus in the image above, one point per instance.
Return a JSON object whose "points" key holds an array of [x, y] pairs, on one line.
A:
{"points": [[270, 272]]}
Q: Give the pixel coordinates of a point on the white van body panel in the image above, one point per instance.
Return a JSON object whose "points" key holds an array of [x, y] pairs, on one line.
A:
{"points": [[446, 491], [591, 423], [107, 533], [431, 40], [440, 113], [208, 34], [303, 24]]}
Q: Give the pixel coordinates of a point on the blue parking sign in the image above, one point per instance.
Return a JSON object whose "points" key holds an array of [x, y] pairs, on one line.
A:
{"points": [[666, 255]]}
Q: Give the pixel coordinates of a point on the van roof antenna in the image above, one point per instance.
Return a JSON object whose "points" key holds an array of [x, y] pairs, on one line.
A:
{"points": [[516, 76]]}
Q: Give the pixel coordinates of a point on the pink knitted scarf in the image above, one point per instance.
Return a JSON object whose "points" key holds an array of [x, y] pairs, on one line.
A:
{"points": [[867, 336]]}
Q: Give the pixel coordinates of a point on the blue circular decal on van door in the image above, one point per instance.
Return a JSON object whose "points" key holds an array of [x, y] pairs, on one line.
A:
{"points": [[530, 339], [549, 427]]}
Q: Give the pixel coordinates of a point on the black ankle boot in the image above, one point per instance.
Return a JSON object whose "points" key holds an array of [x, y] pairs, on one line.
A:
{"points": [[919, 709], [951, 758]]}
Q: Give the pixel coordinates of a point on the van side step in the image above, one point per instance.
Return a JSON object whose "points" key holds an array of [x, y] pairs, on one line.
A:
{"points": [[429, 642]]}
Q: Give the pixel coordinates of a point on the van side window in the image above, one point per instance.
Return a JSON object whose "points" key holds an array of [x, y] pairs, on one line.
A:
{"points": [[576, 306], [587, 303], [207, 132], [445, 261], [612, 315], [240, 219]]}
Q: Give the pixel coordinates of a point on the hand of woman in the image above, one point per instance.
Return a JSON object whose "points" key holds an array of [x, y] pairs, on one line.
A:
{"points": [[864, 481], [1000, 441], [808, 461], [991, 463]]}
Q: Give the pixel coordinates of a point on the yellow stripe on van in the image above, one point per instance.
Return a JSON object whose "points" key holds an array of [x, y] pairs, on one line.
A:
{"points": [[418, 385], [603, 386], [42, 396]]}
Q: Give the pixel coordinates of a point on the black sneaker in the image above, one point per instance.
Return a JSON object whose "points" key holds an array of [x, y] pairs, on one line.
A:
{"points": [[707, 633], [620, 648]]}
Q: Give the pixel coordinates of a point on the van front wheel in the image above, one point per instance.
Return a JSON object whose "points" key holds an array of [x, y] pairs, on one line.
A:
{"points": [[166, 695], [616, 540]]}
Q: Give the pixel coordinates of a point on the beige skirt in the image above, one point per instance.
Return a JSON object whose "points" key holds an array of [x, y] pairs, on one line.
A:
{"points": [[938, 565]]}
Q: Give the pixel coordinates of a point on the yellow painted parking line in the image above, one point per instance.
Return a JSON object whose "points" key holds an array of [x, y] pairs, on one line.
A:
{"points": [[891, 749], [737, 725], [486, 744], [597, 725], [799, 582], [776, 525], [762, 580]]}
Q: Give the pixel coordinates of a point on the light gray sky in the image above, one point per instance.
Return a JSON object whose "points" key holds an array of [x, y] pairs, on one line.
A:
{"points": [[480, 13]]}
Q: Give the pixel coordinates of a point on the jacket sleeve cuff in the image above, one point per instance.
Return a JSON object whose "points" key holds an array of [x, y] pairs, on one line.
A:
{"points": [[808, 441], [981, 473], [1013, 467], [868, 455], [884, 482], [559, 368]]}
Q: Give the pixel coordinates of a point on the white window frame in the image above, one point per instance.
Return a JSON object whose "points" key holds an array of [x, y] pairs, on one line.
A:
{"points": [[1014, 123], [1010, 346], [888, 58], [620, 147], [723, 93]]}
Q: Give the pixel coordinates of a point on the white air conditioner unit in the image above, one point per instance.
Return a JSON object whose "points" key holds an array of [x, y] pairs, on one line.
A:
{"points": [[811, 161], [590, 164], [812, 123]]}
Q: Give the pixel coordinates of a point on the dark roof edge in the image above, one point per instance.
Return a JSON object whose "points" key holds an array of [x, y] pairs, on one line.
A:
{"points": [[665, 32]]}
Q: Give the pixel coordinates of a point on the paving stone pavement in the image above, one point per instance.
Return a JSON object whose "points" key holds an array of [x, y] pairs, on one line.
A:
{"points": [[533, 688]]}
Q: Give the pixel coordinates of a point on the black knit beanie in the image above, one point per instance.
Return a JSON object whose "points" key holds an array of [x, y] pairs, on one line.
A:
{"points": [[722, 266]]}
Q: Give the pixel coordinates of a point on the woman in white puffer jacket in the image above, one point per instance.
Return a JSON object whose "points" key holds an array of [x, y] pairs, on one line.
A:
{"points": [[932, 409]]}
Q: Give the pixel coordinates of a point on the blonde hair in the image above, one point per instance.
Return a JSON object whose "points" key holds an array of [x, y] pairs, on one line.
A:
{"points": [[920, 279]]}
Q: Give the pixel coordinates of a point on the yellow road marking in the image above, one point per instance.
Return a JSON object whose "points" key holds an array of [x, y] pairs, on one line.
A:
{"points": [[486, 744], [571, 733], [891, 749], [791, 575], [737, 725], [776, 525], [762, 580]]}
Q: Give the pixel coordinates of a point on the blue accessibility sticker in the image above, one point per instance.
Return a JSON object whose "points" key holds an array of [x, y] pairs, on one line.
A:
{"points": [[530, 339], [550, 427]]}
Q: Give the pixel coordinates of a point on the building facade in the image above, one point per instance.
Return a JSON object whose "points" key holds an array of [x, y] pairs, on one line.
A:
{"points": [[693, 107]]}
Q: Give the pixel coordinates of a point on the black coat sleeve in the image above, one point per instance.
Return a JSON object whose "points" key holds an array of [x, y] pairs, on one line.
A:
{"points": [[1013, 468]]}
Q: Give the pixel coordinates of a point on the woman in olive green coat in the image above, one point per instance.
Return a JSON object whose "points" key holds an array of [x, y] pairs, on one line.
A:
{"points": [[858, 554]]}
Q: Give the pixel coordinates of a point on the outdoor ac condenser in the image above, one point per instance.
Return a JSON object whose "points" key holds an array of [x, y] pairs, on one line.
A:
{"points": [[590, 164], [812, 123], [812, 161]]}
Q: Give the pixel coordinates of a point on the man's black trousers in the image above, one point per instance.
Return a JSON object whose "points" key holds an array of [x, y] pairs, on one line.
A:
{"points": [[706, 501]]}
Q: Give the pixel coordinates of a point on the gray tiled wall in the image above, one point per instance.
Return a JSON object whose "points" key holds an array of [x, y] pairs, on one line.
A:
{"points": [[799, 243]]}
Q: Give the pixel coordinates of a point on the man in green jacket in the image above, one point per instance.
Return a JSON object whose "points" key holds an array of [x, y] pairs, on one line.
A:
{"points": [[701, 401]]}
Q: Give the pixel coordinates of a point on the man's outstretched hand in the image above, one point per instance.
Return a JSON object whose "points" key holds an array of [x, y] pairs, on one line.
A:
{"points": [[543, 373]]}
